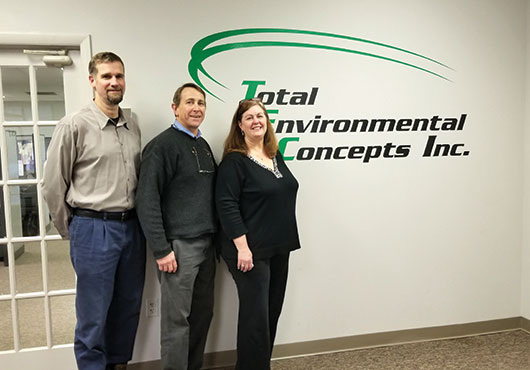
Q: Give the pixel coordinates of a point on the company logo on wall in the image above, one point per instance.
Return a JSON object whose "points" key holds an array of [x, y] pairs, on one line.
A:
{"points": [[290, 145]]}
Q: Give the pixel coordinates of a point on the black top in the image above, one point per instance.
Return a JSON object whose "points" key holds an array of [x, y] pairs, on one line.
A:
{"points": [[175, 194], [252, 200]]}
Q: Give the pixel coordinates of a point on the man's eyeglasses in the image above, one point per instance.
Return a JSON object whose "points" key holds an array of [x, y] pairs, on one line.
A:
{"points": [[205, 163]]}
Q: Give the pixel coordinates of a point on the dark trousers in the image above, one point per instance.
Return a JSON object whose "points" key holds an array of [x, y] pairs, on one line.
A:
{"points": [[109, 260], [261, 293], [187, 304]]}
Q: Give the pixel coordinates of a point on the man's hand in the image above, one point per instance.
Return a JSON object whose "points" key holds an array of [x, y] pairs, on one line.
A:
{"points": [[167, 263]]}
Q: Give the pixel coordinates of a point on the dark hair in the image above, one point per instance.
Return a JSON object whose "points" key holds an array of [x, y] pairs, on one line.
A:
{"points": [[103, 57], [235, 141], [178, 93]]}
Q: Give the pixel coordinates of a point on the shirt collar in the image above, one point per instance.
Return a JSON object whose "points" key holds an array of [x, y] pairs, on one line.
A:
{"points": [[103, 120], [180, 127]]}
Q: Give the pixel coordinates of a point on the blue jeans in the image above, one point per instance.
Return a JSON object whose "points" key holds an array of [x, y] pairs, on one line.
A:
{"points": [[109, 260]]}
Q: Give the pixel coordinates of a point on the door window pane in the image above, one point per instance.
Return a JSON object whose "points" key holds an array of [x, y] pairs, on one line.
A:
{"points": [[61, 274], [4, 273], [24, 210], [63, 319], [45, 135], [50, 226], [6, 326], [31, 322], [3, 247], [20, 152], [17, 99], [50, 93], [28, 267]]}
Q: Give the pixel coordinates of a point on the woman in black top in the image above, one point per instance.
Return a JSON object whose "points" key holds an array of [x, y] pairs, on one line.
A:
{"points": [[256, 201]]}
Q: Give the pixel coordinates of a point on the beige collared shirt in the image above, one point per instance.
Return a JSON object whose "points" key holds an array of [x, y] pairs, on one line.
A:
{"points": [[91, 164]]}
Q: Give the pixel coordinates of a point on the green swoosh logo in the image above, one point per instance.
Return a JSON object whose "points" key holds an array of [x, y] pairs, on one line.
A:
{"points": [[200, 51]]}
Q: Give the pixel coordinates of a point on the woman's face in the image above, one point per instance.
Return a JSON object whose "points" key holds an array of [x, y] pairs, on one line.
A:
{"points": [[253, 123]]}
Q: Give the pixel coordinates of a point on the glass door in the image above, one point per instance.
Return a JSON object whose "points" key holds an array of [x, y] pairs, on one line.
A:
{"points": [[37, 281]]}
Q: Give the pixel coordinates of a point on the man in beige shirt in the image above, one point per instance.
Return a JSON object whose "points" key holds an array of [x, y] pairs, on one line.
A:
{"points": [[89, 184]]}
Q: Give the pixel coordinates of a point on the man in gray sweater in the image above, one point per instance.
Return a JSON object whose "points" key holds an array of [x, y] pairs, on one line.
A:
{"points": [[175, 205]]}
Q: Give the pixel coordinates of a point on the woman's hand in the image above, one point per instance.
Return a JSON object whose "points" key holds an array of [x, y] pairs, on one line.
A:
{"points": [[244, 254], [244, 260]]}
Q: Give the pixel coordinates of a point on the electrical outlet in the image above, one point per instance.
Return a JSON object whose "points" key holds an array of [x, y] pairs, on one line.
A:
{"points": [[152, 307]]}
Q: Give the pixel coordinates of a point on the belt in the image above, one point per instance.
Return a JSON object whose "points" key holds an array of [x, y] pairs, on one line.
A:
{"points": [[115, 216]]}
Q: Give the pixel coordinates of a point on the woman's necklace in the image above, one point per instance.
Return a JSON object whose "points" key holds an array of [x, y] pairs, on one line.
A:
{"points": [[259, 155]]}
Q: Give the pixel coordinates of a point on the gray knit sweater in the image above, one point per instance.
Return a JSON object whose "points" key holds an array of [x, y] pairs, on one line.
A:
{"points": [[175, 194]]}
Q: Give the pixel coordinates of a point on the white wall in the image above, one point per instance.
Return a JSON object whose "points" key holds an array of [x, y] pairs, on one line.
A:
{"points": [[391, 244]]}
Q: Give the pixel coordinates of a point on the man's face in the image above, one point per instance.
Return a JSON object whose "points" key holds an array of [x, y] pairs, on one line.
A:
{"points": [[108, 83], [191, 109]]}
